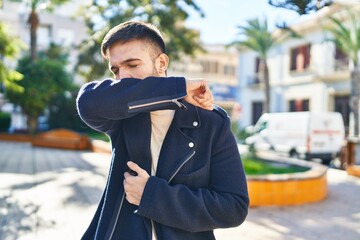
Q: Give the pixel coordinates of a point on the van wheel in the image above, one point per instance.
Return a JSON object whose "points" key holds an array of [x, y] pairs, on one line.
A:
{"points": [[326, 161], [294, 154]]}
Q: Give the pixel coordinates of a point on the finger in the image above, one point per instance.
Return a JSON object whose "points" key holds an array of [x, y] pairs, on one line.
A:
{"points": [[128, 198], [208, 102], [133, 166], [127, 175], [204, 101], [208, 107]]}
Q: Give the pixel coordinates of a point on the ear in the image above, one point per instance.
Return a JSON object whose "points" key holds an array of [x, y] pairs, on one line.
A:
{"points": [[162, 63]]}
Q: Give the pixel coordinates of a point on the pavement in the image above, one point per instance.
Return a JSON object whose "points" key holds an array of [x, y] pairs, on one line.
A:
{"points": [[52, 194]]}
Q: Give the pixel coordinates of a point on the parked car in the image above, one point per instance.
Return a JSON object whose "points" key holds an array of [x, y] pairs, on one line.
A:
{"points": [[305, 135]]}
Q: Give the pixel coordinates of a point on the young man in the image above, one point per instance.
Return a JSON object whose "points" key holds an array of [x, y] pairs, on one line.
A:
{"points": [[176, 171]]}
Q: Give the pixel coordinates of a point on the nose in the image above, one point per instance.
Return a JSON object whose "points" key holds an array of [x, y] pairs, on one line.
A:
{"points": [[123, 74]]}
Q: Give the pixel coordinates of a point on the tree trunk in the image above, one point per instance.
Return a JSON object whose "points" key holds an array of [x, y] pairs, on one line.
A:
{"points": [[355, 102], [32, 124], [265, 79], [34, 24]]}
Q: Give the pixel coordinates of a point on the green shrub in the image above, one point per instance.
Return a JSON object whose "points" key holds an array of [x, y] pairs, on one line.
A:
{"points": [[240, 134], [5, 120], [257, 166]]}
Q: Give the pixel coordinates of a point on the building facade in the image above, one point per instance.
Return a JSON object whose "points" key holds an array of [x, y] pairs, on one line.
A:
{"points": [[306, 74], [61, 27], [218, 65]]}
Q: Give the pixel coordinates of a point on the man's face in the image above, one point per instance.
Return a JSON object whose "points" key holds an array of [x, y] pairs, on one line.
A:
{"points": [[134, 59]]}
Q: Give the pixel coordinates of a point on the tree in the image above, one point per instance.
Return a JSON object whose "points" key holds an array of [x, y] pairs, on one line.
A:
{"points": [[301, 6], [168, 15], [44, 79], [259, 39], [34, 20], [346, 36], [9, 48]]}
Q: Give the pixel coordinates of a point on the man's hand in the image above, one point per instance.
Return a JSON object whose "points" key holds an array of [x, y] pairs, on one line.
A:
{"points": [[134, 185], [199, 94]]}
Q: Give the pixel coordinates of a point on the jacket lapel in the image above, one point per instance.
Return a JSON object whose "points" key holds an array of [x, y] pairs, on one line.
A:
{"points": [[137, 132], [178, 146]]}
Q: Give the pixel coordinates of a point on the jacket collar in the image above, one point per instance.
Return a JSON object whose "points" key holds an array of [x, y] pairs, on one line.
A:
{"points": [[177, 147], [188, 117]]}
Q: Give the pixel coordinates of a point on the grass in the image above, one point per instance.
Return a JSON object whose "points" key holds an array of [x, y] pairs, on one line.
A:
{"points": [[256, 166], [98, 136]]}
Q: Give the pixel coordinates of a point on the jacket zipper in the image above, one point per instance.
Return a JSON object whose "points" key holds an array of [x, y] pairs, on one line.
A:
{"points": [[122, 200], [176, 101], [117, 217], [178, 169]]}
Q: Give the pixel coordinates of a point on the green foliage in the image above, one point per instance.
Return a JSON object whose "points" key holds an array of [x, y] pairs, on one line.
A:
{"points": [[97, 135], [301, 6], [257, 37], [240, 134], [5, 120], [9, 48], [63, 113], [257, 166], [168, 15], [346, 36], [44, 79]]}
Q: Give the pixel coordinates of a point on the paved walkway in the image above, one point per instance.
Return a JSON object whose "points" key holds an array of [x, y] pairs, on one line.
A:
{"points": [[52, 194]]}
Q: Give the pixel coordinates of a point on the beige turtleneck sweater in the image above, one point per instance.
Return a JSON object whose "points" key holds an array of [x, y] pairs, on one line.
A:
{"points": [[160, 123]]}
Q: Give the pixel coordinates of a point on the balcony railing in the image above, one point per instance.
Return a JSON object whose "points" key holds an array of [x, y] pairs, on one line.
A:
{"points": [[253, 80], [341, 64]]}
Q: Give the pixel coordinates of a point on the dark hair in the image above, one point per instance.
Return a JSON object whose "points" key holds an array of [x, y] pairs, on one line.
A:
{"points": [[133, 30]]}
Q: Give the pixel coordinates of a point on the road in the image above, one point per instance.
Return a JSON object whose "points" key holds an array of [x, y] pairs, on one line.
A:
{"points": [[52, 194]]}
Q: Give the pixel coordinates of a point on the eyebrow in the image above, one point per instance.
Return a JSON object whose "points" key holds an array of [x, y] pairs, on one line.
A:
{"points": [[124, 62]]}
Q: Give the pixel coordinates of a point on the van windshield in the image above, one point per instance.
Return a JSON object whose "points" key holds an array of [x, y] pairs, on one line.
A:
{"points": [[260, 126]]}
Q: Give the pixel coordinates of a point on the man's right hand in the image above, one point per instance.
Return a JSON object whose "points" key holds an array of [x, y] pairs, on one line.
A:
{"points": [[199, 94]]}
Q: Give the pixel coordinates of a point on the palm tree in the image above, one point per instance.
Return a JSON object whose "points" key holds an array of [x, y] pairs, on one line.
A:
{"points": [[346, 36], [259, 39], [34, 21]]}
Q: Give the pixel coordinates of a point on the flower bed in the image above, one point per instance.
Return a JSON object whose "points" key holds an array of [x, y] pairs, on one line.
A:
{"points": [[288, 188]]}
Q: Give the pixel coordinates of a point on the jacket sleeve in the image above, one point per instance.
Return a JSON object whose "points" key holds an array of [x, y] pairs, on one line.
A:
{"points": [[223, 204], [101, 103]]}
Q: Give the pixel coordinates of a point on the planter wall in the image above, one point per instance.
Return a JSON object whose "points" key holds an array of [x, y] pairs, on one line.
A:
{"points": [[289, 189]]}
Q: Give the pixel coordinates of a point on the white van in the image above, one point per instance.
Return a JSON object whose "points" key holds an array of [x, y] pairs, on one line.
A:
{"points": [[305, 135]]}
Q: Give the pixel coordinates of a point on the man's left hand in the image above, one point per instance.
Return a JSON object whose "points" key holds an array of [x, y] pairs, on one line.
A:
{"points": [[134, 185]]}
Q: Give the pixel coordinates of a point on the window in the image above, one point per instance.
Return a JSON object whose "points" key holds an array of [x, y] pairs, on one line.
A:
{"points": [[300, 58], [44, 36], [257, 65], [209, 66], [257, 109], [341, 60], [342, 106], [229, 70], [299, 105], [255, 78], [65, 37]]}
